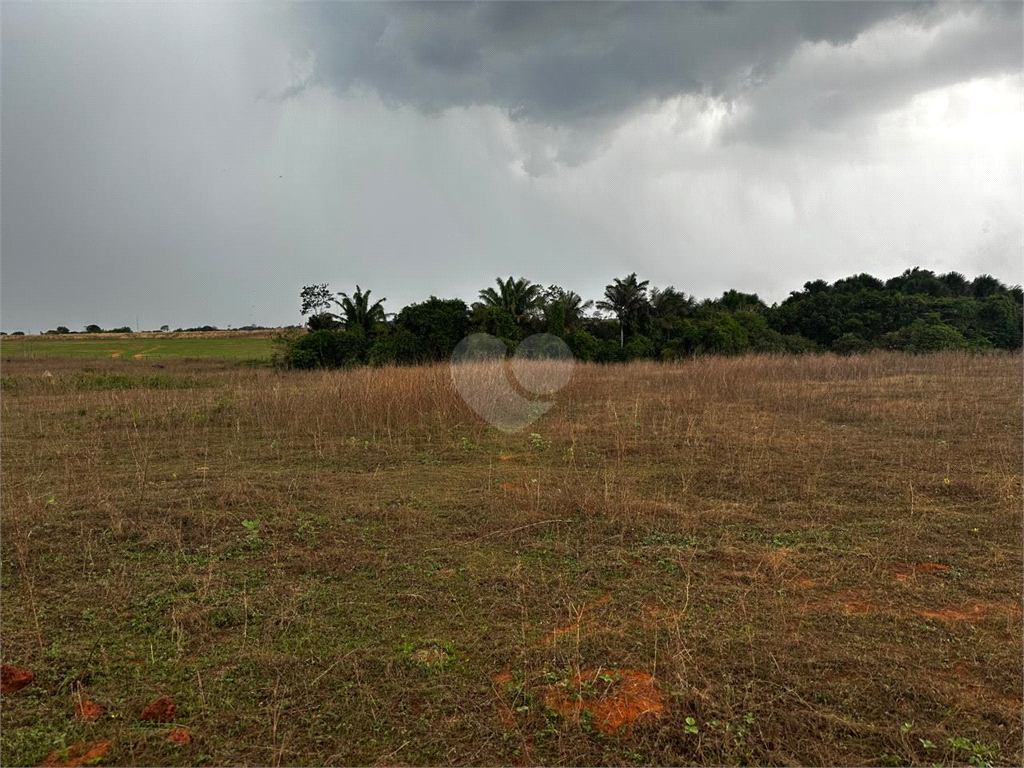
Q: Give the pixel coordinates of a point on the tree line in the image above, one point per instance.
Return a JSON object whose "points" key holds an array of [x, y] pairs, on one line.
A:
{"points": [[917, 311]]}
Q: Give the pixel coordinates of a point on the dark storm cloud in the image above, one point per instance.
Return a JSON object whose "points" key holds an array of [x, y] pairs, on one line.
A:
{"points": [[593, 63], [193, 163]]}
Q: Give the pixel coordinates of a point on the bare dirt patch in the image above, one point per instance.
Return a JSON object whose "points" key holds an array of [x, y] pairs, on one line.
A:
{"points": [[178, 736], [88, 711], [160, 710], [81, 754], [14, 678], [616, 699], [903, 572], [969, 612]]}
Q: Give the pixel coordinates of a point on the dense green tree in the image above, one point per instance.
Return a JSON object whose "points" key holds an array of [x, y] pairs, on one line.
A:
{"points": [[735, 301], [850, 343], [639, 347], [584, 346], [437, 324], [857, 283], [328, 349], [497, 321], [984, 286], [918, 282], [956, 284], [397, 347]]}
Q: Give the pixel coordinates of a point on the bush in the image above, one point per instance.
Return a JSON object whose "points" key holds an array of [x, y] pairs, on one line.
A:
{"points": [[585, 347], [850, 343], [400, 347], [922, 336], [760, 337], [639, 347], [327, 349], [325, 321]]}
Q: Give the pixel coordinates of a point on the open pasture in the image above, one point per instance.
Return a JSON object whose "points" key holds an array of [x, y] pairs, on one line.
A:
{"points": [[736, 561], [221, 345]]}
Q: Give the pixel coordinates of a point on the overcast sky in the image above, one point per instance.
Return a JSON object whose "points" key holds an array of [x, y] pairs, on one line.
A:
{"points": [[199, 163]]}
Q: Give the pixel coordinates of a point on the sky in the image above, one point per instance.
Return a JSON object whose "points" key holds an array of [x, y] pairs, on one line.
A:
{"points": [[199, 163]]}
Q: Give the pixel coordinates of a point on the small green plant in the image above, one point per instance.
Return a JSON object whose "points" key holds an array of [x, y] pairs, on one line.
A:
{"points": [[978, 754], [253, 540], [538, 443], [465, 444], [691, 726]]}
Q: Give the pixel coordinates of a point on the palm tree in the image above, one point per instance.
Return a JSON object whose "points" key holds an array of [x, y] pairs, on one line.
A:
{"points": [[564, 307], [669, 304], [520, 298], [627, 299], [358, 311]]}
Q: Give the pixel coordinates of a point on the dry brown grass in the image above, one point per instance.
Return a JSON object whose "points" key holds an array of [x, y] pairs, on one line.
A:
{"points": [[756, 534]]}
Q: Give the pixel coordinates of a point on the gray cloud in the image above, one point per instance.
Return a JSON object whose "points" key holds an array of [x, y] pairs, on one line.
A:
{"points": [[592, 64], [198, 163]]}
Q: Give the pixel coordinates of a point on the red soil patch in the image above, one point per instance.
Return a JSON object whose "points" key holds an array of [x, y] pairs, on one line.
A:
{"points": [[77, 755], [506, 457], [969, 613], [806, 583], [903, 571], [14, 678], [88, 710], [972, 612], [159, 710], [508, 719], [179, 736], [632, 696], [930, 567], [854, 604]]}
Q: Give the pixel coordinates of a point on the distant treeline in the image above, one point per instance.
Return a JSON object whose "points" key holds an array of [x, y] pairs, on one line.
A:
{"points": [[61, 330], [917, 311]]}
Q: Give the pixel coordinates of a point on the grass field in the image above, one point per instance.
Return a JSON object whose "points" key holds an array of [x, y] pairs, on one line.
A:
{"points": [[727, 561], [221, 345]]}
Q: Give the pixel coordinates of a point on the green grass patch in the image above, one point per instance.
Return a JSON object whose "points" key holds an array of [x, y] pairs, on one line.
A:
{"points": [[208, 347]]}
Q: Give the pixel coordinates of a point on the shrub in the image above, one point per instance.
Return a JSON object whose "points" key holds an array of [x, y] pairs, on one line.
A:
{"points": [[327, 349], [850, 343], [584, 345], [639, 347]]}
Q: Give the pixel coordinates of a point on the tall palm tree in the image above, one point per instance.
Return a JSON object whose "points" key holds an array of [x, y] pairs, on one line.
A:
{"points": [[627, 299], [359, 312], [520, 298]]}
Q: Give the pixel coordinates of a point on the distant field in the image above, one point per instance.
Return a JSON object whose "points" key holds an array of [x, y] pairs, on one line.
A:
{"points": [[726, 561], [227, 345]]}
